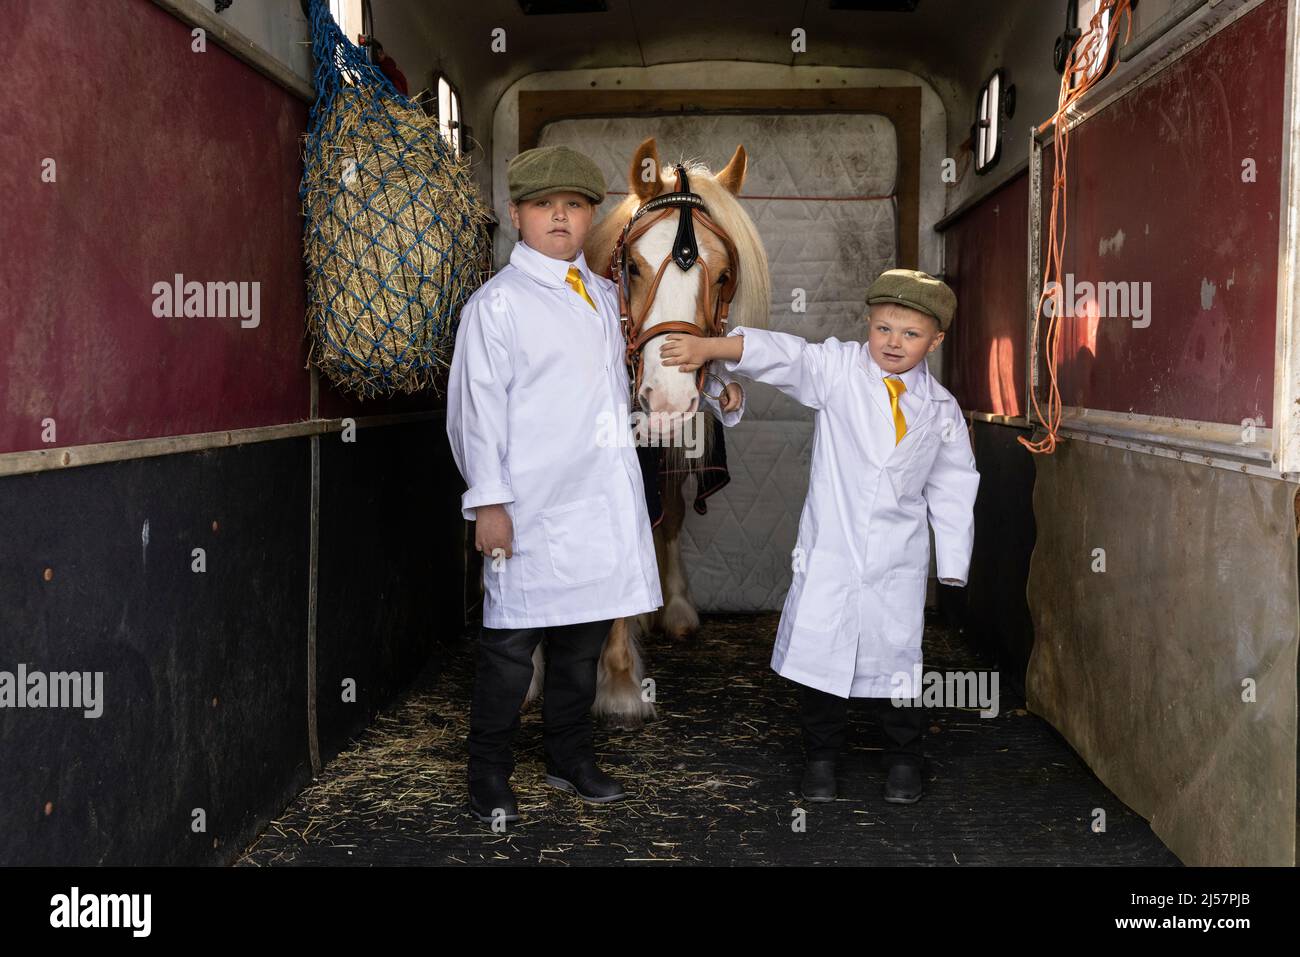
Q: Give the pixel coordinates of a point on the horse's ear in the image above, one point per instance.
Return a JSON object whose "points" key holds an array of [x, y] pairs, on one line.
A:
{"points": [[733, 176], [643, 174]]}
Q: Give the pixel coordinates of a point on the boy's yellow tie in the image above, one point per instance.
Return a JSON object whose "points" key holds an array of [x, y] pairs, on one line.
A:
{"points": [[896, 387], [574, 279]]}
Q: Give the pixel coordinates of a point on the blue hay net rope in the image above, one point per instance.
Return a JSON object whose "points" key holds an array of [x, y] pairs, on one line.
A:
{"points": [[389, 262]]}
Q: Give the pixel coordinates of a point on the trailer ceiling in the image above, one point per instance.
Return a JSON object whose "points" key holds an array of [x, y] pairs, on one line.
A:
{"points": [[945, 41]]}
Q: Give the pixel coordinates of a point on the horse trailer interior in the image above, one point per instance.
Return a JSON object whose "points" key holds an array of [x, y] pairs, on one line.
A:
{"points": [[245, 602]]}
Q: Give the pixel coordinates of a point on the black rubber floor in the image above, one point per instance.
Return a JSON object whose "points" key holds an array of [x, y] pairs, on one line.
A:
{"points": [[713, 781]]}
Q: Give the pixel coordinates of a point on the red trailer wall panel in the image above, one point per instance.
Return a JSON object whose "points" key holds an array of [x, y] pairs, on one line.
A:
{"points": [[1156, 194], [985, 265], [167, 161]]}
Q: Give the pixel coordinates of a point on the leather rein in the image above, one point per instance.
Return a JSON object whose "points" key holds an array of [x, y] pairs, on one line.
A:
{"points": [[691, 209]]}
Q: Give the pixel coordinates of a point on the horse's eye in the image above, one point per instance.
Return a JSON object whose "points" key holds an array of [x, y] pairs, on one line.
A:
{"points": [[723, 277], [632, 270]]}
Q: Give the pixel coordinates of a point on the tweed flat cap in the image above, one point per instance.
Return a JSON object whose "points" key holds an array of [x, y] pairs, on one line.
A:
{"points": [[554, 169], [916, 290]]}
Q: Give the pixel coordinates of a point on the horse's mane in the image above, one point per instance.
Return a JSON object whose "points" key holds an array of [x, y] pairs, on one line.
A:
{"points": [[753, 300], [599, 246]]}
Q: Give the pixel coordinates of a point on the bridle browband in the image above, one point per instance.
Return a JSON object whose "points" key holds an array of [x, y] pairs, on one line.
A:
{"points": [[685, 254]]}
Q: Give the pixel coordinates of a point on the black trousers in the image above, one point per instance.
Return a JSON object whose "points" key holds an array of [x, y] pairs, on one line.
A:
{"points": [[825, 719], [503, 671]]}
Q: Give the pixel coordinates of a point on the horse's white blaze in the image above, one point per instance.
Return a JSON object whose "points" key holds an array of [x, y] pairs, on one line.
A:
{"points": [[667, 389]]}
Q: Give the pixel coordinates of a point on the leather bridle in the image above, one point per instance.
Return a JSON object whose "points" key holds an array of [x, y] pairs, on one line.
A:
{"points": [[685, 254]]}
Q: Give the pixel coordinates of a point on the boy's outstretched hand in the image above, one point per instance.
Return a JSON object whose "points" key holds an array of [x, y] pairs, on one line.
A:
{"points": [[687, 352], [493, 529]]}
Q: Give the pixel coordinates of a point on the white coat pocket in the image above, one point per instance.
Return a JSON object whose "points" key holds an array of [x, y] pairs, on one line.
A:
{"points": [[579, 538], [903, 603]]}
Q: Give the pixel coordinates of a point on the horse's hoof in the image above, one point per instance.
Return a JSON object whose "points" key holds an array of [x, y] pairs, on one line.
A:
{"points": [[680, 622], [623, 722]]}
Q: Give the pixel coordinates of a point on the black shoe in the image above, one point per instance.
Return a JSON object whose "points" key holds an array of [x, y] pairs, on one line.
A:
{"points": [[819, 780], [588, 782], [492, 799], [904, 784]]}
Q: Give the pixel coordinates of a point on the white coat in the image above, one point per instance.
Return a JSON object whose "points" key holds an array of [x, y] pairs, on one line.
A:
{"points": [[854, 614], [536, 389]]}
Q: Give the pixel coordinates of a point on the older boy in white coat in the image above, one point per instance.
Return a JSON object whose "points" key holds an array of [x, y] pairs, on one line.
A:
{"points": [[536, 377], [890, 453]]}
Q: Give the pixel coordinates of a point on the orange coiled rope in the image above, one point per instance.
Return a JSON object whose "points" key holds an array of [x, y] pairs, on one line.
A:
{"points": [[1081, 73]]}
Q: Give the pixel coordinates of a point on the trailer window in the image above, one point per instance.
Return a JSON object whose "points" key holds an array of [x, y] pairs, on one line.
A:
{"points": [[987, 139], [1094, 41], [351, 20], [448, 106], [347, 14]]}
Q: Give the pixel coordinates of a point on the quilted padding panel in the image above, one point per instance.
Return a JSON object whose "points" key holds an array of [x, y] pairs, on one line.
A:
{"points": [[821, 189]]}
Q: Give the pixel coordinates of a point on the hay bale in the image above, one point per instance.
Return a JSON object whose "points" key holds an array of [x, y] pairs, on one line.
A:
{"points": [[395, 241]]}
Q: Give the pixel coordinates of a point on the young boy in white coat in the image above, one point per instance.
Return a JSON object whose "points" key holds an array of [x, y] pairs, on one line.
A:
{"points": [[537, 373], [890, 452]]}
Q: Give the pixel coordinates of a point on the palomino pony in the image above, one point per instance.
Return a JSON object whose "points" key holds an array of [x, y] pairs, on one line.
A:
{"points": [[723, 278]]}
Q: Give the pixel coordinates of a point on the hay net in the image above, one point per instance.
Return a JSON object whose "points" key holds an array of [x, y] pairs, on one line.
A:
{"points": [[395, 233]]}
